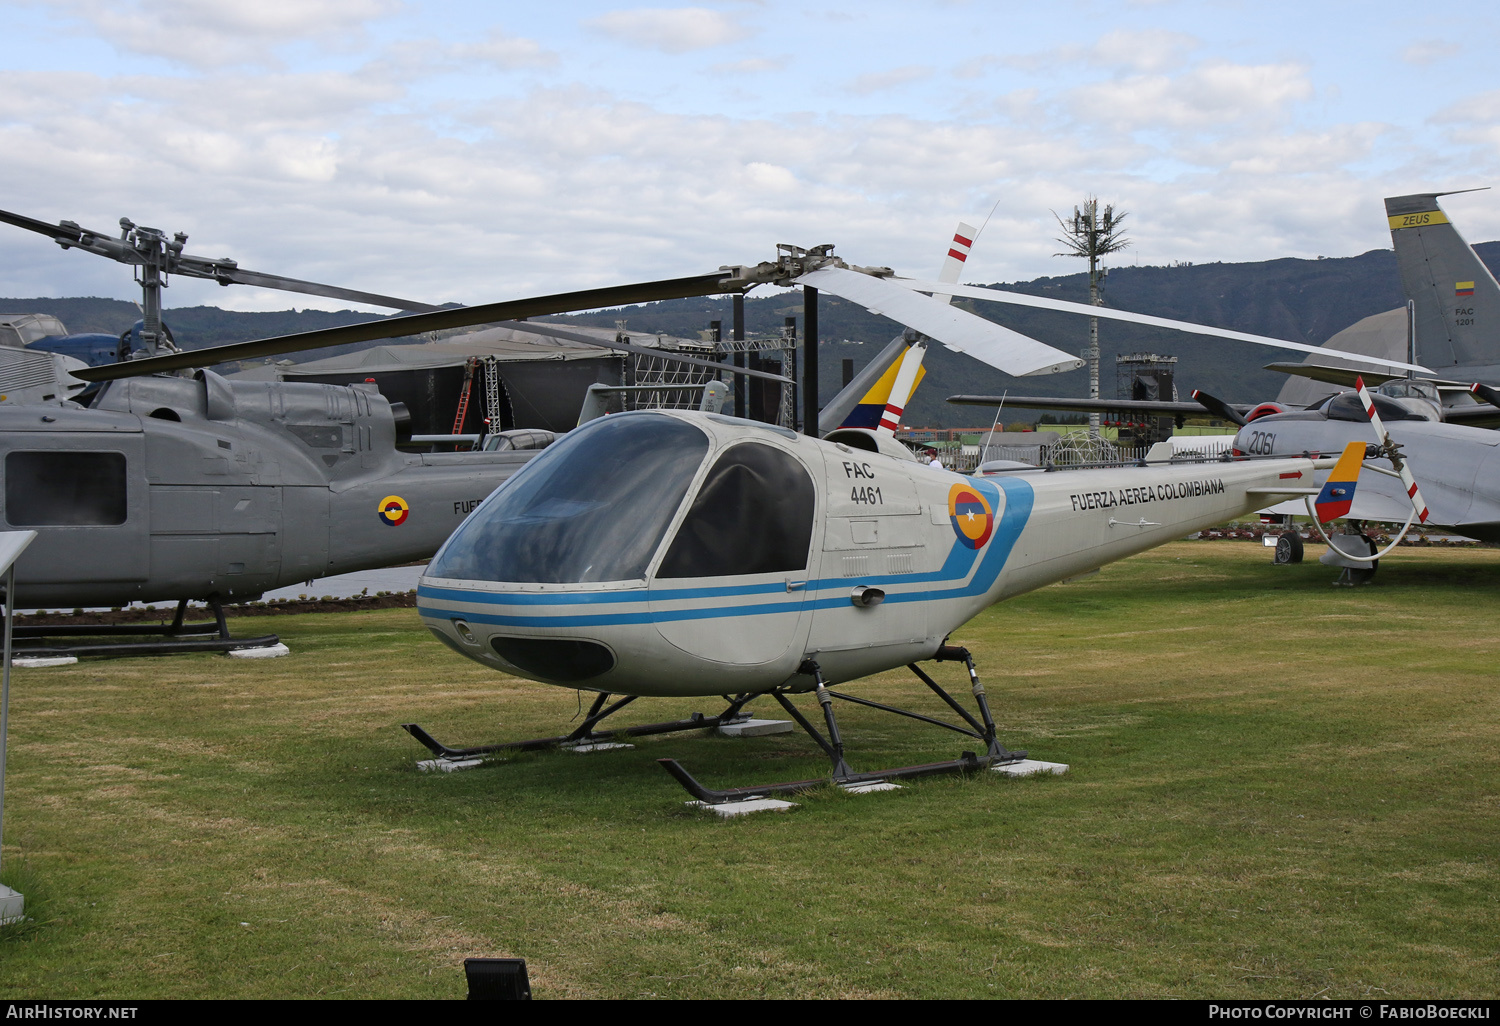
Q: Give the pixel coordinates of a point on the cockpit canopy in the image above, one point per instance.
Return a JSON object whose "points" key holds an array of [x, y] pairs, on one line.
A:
{"points": [[596, 506], [1346, 406]]}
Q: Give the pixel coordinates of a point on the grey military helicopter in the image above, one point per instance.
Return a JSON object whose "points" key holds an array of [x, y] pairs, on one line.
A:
{"points": [[171, 488]]}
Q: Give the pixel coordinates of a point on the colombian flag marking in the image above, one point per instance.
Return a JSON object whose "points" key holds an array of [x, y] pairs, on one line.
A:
{"points": [[393, 511], [973, 520], [1463, 288]]}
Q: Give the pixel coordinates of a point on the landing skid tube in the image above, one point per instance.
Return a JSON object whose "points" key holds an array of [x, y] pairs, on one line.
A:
{"points": [[585, 734], [36, 641], [996, 754]]}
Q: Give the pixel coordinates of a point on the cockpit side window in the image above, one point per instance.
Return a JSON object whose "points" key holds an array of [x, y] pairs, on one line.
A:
{"points": [[753, 515], [593, 507]]}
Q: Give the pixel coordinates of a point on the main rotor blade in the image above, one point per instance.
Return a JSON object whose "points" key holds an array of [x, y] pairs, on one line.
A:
{"points": [[1063, 306], [224, 274], [959, 330], [60, 232], [416, 324], [1149, 407], [554, 331]]}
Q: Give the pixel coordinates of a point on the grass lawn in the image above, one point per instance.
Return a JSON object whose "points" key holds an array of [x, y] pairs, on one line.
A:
{"points": [[1279, 789]]}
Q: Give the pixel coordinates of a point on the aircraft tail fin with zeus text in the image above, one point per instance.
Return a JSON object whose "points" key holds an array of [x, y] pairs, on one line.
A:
{"points": [[1457, 298]]}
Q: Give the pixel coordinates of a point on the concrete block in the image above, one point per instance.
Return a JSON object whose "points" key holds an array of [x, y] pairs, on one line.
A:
{"points": [[743, 808], [43, 660], [871, 786], [756, 728], [595, 746], [12, 906], [275, 651], [441, 765], [1030, 767]]}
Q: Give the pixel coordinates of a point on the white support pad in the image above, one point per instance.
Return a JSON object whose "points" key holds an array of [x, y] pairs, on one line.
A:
{"points": [[871, 786], [441, 765], [1031, 767], [744, 808], [12, 906], [756, 728], [275, 651], [596, 746], [44, 661]]}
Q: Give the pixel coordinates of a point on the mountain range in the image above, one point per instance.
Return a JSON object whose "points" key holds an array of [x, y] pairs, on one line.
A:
{"points": [[1300, 300]]}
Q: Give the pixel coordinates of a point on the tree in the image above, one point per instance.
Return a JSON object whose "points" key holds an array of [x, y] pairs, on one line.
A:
{"points": [[1092, 234]]}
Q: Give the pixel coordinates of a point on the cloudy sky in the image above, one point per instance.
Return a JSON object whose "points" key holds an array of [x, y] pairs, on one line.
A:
{"points": [[481, 151]]}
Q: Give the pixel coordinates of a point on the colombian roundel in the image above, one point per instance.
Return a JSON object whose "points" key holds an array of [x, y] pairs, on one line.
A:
{"points": [[973, 521], [393, 511]]}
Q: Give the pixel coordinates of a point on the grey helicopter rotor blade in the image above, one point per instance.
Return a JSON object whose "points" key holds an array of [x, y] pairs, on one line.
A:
{"points": [[65, 232], [416, 324], [172, 261], [959, 330], [552, 331], [1107, 313], [225, 272]]}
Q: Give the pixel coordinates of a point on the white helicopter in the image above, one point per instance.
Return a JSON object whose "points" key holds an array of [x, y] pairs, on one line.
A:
{"points": [[685, 554]]}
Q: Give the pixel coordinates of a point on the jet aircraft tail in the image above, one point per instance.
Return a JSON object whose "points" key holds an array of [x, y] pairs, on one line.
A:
{"points": [[1457, 298]]}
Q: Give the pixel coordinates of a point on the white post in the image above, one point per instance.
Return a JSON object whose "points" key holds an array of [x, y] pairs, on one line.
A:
{"points": [[12, 544]]}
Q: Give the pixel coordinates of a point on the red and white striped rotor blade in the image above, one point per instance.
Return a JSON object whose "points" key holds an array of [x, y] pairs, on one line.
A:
{"points": [[958, 252], [1412, 492]]}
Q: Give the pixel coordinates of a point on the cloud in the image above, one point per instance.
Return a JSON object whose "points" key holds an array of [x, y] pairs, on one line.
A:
{"points": [[671, 30], [1427, 51], [879, 81], [1212, 94], [977, 67], [355, 178], [753, 65], [506, 52], [1121, 50], [210, 33], [1151, 50]]}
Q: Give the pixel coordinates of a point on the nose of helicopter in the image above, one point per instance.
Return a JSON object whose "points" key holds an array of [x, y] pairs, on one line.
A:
{"points": [[547, 577]]}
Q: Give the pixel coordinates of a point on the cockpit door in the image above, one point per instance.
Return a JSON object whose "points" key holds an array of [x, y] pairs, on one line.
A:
{"points": [[875, 537], [732, 585]]}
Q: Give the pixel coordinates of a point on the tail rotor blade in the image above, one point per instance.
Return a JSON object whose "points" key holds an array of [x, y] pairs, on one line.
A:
{"points": [[1392, 451]]}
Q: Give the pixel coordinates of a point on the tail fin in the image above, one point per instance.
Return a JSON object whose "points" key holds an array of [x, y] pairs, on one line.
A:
{"points": [[1338, 491], [1457, 299], [863, 401]]}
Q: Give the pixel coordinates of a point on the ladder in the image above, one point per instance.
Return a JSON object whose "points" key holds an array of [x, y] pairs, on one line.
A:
{"points": [[463, 395]]}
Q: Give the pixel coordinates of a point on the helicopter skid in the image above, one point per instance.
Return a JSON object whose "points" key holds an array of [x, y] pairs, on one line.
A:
{"points": [[585, 738], [996, 755], [140, 648], [855, 783]]}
